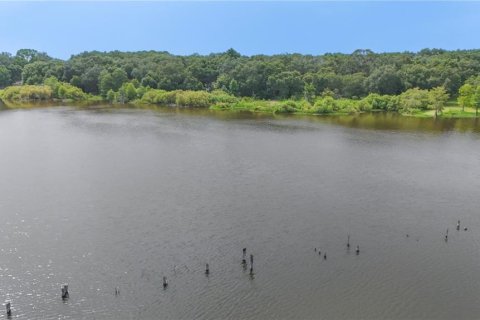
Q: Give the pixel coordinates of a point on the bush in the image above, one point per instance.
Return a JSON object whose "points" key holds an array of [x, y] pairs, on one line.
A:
{"points": [[157, 96], [193, 99], [63, 90], [27, 93], [325, 105], [220, 96]]}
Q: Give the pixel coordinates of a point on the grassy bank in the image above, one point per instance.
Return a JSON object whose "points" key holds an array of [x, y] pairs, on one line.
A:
{"points": [[448, 112]]}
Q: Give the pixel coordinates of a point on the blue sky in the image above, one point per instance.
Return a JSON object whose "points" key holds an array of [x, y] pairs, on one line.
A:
{"points": [[65, 28]]}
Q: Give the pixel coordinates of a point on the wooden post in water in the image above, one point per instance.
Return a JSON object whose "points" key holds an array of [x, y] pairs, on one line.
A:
{"points": [[244, 260], [446, 236], [117, 291], [165, 283], [65, 294], [325, 256], [251, 264], [458, 225], [8, 307], [358, 250], [207, 269], [348, 242]]}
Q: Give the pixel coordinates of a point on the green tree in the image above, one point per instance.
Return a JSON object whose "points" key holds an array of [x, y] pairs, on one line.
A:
{"points": [[76, 81], [414, 99], [476, 100], [111, 96], [105, 83], [465, 96], [149, 81], [309, 92], [5, 77], [119, 77], [54, 84], [89, 79], [285, 84], [130, 91], [437, 98], [384, 80], [233, 87]]}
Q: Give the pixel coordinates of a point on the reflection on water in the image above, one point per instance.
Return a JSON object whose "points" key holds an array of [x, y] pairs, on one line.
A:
{"points": [[103, 198]]}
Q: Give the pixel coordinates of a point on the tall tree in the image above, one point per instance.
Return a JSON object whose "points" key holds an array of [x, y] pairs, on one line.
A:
{"points": [[465, 96], [476, 100], [437, 98]]}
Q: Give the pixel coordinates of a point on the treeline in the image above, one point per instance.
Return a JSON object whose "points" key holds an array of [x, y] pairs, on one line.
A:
{"points": [[276, 77]]}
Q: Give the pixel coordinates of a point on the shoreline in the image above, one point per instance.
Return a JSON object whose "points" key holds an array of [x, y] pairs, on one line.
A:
{"points": [[451, 112]]}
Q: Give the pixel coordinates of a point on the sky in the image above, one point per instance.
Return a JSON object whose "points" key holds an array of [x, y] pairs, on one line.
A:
{"points": [[65, 28]]}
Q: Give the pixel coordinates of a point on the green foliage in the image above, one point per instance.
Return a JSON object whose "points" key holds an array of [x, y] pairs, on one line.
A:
{"points": [[187, 98], [410, 83], [193, 99], [325, 105], [160, 97], [5, 77], [375, 101], [111, 97], [220, 96], [63, 90], [465, 96], [437, 99], [476, 100], [277, 77], [309, 92], [285, 84], [130, 91], [414, 99], [385, 80], [105, 83], [27, 93]]}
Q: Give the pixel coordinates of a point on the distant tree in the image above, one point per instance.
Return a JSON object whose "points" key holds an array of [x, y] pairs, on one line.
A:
{"points": [[353, 85], [285, 84], [232, 53], [384, 80], [5, 77], [414, 99], [476, 100], [130, 91], [76, 81], [89, 79], [25, 56], [309, 92], [465, 96], [111, 96], [105, 83], [233, 87], [437, 98], [149, 81], [118, 78]]}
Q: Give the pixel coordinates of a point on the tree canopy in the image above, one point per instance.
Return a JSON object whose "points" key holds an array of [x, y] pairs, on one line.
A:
{"points": [[283, 76]]}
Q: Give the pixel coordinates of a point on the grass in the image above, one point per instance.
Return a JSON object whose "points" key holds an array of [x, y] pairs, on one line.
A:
{"points": [[452, 112]]}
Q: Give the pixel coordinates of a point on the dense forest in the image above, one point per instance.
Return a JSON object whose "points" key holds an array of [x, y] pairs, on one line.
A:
{"points": [[126, 76]]}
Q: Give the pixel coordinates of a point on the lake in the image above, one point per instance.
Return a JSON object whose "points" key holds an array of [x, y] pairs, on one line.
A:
{"points": [[102, 198]]}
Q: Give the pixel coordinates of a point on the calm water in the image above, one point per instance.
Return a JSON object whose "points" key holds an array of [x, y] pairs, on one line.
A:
{"points": [[105, 198]]}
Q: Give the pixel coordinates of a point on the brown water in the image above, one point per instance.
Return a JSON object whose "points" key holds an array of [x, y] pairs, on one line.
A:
{"points": [[119, 198]]}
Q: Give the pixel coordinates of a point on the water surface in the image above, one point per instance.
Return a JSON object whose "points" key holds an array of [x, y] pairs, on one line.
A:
{"points": [[111, 198]]}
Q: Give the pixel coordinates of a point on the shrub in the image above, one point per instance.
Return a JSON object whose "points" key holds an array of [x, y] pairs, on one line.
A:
{"points": [[27, 93]]}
